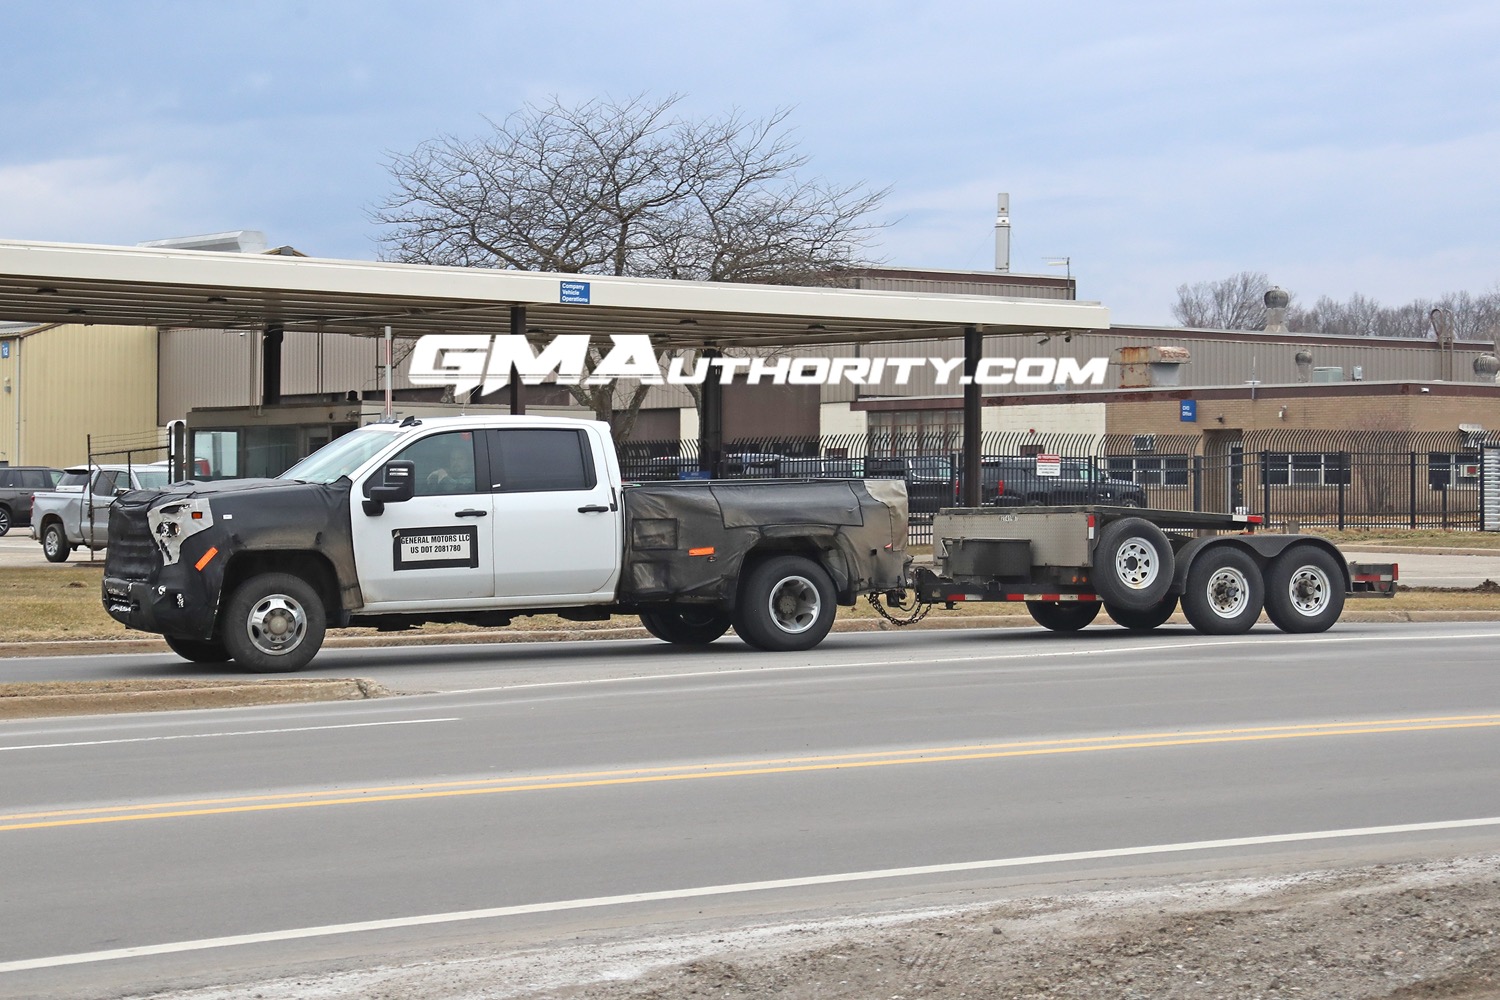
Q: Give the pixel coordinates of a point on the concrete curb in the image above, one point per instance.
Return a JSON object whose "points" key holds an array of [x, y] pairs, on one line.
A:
{"points": [[229, 694]]}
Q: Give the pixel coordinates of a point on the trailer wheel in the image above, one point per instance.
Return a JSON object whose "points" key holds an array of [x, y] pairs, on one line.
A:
{"points": [[785, 603], [1224, 592], [1143, 621], [1063, 616], [1304, 590], [55, 543], [686, 626], [1133, 564], [198, 650], [274, 623]]}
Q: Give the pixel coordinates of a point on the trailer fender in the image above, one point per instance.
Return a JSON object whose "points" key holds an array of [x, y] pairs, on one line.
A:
{"points": [[1261, 548]]}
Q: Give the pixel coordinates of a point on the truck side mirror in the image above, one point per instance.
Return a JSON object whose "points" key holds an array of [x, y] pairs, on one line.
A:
{"points": [[397, 484]]}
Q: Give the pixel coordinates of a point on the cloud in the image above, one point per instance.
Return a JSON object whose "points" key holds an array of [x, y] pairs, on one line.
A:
{"points": [[98, 200]]}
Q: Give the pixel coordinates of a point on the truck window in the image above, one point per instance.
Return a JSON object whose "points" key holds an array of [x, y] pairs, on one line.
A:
{"points": [[445, 464], [533, 460]]}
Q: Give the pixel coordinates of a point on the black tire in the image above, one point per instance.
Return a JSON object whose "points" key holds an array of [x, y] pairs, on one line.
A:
{"points": [[55, 543], [1225, 592], [1063, 616], [1304, 590], [274, 623], [198, 650], [1133, 564], [4, 520], [686, 625], [785, 603], [1143, 621]]}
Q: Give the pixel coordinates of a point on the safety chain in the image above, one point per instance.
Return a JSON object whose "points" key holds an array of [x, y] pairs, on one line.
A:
{"points": [[917, 610]]}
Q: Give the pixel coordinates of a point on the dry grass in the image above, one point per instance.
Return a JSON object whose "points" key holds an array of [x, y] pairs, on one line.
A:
{"points": [[62, 603]]}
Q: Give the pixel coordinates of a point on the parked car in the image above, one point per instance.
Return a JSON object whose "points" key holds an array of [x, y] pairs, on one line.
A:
{"points": [[18, 484], [76, 511], [931, 480], [1016, 481]]}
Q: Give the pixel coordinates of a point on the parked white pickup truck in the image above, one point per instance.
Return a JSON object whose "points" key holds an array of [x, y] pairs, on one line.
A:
{"points": [[76, 511], [483, 519]]}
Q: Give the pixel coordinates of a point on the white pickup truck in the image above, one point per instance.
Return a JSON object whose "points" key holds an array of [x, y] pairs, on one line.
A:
{"points": [[76, 511], [483, 519]]}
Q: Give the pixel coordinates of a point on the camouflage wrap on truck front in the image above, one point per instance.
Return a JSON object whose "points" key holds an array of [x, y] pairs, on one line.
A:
{"points": [[687, 542], [169, 549]]}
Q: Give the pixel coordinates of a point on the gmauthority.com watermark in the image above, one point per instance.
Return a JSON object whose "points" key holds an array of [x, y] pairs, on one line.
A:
{"points": [[471, 361]]}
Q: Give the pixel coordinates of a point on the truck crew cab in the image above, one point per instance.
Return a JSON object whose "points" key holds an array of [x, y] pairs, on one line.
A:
{"points": [[479, 520]]}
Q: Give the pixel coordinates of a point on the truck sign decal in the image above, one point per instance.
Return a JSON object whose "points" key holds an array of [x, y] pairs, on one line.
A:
{"points": [[435, 548]]}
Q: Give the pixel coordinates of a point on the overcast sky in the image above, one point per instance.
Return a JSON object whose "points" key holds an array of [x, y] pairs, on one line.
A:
{"points": [[1340, 147]]}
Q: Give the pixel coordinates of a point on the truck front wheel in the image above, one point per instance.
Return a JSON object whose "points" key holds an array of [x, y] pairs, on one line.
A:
{"points": [[274, 623], [55, 543], [785, 603], [686, 626], [1224, 592], [198, 650], [1063, 616], [1304, 590]]}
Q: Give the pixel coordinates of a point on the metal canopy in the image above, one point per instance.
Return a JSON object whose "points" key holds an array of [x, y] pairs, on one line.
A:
{"points": [[135, 286]]}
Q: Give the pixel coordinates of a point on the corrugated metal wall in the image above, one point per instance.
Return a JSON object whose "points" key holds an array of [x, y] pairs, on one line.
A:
{"points": [[80, 380]]}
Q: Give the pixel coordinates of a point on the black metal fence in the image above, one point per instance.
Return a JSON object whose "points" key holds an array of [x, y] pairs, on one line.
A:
{"points": [[1294, 480]]}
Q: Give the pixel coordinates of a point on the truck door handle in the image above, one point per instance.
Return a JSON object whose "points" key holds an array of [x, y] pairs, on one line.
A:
{"points": [[593, 508], [471, 513]]}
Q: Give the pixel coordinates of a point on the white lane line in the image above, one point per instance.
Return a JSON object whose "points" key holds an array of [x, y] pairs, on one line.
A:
{"points": [[1195, 644], [396, 923], [207, 736]]}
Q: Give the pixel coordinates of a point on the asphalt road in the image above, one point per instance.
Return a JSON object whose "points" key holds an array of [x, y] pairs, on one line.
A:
{"points": [[551, 791]]}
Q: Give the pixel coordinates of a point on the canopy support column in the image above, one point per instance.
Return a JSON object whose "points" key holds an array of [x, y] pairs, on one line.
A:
{"points": [[270, 364], [973, 350], [711, 421], [517, 329]]}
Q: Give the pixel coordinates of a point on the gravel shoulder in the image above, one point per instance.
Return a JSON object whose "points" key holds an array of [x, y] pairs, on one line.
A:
{"points": [[1401, 931]]}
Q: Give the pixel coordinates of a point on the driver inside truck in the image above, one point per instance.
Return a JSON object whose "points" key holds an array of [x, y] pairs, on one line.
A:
{"points": [[449, 459]]}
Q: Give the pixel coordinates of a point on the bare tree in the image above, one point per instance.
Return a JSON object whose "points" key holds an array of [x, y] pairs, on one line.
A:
{"points": [[1233, 303], [626, 188]]}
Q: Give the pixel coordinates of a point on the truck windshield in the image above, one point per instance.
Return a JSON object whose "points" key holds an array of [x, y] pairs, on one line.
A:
{"points": [[341, 456]]}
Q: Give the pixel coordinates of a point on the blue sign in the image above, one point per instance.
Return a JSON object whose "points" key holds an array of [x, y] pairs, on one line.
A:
{"points": [[575, 293], [694, 474], [1189, 413], [4, 348]]}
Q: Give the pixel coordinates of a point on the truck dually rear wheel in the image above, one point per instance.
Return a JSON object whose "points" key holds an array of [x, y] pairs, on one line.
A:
{"points": [[274, 623], [685, 626], [785, 603]]}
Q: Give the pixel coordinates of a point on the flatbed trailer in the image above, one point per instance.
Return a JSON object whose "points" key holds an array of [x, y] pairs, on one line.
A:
{"points": [[1139, 565]]}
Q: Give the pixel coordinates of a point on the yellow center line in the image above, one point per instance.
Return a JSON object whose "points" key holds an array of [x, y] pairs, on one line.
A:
{"points": [[690, 772]]}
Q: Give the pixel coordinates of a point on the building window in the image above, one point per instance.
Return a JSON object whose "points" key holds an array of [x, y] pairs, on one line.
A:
{"points": [[1150, 470], [1307, 468], [1452, 468], [916, 432]]}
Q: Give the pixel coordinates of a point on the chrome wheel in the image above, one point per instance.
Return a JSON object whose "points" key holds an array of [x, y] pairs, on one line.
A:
{"points": [[276, 624], [794, 604]]}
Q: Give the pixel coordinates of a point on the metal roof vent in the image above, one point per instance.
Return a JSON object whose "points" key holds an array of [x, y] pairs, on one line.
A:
{"points": [[238, 241]]}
